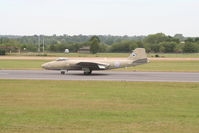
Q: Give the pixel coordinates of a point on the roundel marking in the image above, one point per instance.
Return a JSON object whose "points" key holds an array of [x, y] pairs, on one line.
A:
{"points": [[133, 54]]}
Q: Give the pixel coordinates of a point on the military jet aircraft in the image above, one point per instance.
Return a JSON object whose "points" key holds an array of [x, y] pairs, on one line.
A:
{"points": [[137, 57]]}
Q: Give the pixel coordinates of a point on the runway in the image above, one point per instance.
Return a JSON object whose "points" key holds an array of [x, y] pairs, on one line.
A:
{"points": [[101, 76]]}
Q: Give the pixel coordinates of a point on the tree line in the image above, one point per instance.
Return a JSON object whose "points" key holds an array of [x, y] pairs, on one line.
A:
{"points": [[155, 43]]}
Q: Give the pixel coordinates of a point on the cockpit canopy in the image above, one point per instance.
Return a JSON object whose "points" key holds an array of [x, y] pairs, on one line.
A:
{"points": [[61, 59]]}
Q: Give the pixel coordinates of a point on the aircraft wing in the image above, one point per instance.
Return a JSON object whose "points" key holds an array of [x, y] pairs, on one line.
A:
{"points": [[93, 65]]}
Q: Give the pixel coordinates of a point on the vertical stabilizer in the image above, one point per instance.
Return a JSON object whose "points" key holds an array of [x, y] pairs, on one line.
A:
{"points": [[138, 56]]}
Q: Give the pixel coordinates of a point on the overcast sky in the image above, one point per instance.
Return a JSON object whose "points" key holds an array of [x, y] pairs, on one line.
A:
{"points": [[99, 17]]}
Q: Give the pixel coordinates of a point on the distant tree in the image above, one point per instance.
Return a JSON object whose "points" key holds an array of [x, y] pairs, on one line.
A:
{"points": [[120, 47], [160, 43], [189, 39], [103, 47], [147, 47], [179, 48], [31, 47], [190, 47], [168, 47], [156, 38], [124, 46], [197, 39], [172, 39], [60, 47], [94, 44], [155, 47], [152, 41], [133, 45], [52, 48], [2, 52], [95, 38], [73, 47], [140, 44], [179, 36]]}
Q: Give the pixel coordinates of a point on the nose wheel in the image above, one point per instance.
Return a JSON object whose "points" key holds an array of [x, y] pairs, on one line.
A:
{"points": [[62, 72]]}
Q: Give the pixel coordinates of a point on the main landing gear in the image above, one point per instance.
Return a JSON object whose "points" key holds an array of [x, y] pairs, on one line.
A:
{"points": [[87, 73]]}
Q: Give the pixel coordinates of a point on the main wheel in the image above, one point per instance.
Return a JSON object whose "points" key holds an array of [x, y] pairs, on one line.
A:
{"points": [[62, 72], [88, 73]]}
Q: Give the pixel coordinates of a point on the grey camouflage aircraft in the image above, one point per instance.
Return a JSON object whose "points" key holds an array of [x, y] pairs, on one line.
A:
{"points": [[137, 57]]}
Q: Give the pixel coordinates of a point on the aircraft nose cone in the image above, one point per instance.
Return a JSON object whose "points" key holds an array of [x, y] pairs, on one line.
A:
{"points": [[44, 65]]}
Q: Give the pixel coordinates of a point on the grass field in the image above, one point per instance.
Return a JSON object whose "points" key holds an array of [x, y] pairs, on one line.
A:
{"points": [[168, 66], [180, 55], [21, 64], [73, 54], [98, 107]]}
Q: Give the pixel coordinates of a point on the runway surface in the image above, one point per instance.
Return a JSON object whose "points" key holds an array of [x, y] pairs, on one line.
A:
{"points": [[101, 75]]}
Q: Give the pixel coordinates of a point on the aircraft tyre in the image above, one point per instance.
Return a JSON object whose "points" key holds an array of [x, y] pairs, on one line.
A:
{"points": [[62, 72], [88, 73]]}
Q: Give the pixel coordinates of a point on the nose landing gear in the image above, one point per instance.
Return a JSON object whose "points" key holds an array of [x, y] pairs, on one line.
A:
{"points": [[63, 72]]}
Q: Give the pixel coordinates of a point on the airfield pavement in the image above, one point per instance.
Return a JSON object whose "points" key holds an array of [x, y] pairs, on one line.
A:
{"points": [[101, 76]]}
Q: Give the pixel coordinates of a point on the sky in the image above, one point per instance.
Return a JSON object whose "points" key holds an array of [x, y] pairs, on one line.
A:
{"points": [[99, 17]]}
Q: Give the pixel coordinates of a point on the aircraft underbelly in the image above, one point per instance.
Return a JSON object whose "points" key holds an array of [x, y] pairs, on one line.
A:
{"points": [[74, 67]]}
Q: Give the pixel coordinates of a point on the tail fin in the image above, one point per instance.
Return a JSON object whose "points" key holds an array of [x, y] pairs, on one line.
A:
{"points": [[138, 56]]}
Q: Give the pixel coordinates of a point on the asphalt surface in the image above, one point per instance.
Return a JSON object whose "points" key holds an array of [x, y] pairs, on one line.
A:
{"points": [[101, 75]]}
